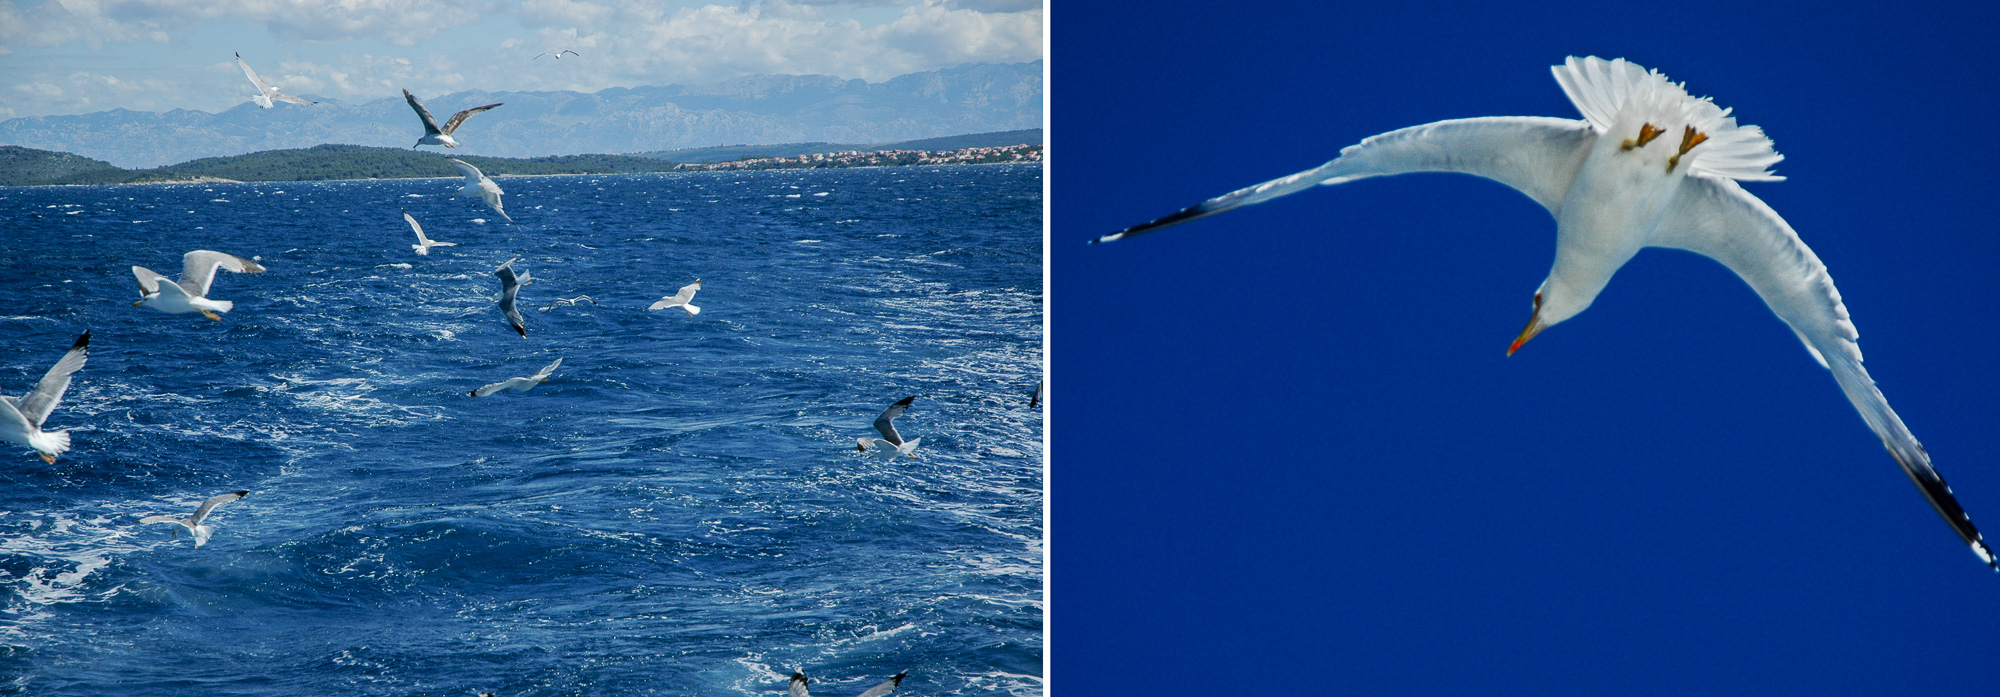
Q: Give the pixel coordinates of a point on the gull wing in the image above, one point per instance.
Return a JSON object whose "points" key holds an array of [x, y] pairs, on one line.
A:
{"points": [[1717, 219], [682, 297], [798, 687], [161, 519], [886, 422], [49, 392], [460, 117], [262, 88], [472, 174], [886, 686], [201, 514], [280, 96], [1538, 156], [509, 286], [430, 124], [546, 371], [198, 269], [149, 282], [494, 387], [425, 241]]}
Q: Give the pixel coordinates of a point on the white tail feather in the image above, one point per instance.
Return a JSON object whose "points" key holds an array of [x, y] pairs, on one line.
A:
{"points": [[224, 305], [692, 310], [54, 443]]}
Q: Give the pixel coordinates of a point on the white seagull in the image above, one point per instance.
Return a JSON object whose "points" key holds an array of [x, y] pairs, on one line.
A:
{"points": [[891, 443], [681, 299], [265, 92], [21, 419], [799, 680], [190, 294], [193, 523], [509, 286], [440, 135], [557, 54], [424, 244], [566, 302], [478, 184], [1615, 186], [520, 384]]}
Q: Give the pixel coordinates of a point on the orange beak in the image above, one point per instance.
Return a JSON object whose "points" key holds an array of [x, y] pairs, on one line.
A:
{"points": [[1535, 326]]}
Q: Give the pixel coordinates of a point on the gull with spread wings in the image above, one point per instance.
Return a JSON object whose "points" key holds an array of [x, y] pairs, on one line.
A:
{"points": [[190, 294], [509, 286], [478, 184], [799, 680], [193, 523], [682, 299], [440, 135], [520, 384], [21, 419], [265, 92], [424, 244], [891, 443], [1615, 185]]}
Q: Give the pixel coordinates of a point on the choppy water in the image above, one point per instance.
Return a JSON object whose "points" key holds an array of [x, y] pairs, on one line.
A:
{"points": [[680, 510]]}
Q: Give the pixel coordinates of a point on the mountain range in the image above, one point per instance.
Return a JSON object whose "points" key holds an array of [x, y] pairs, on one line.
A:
{"points": [[969, 98]]}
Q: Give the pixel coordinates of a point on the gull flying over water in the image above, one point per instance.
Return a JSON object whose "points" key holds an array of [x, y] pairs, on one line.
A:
{"points": [[520, 384], [265, 92], [891, 443], [194, 522], [190, 294], [681, 299], [21, 419], [566, 302], [799, 680], [557, 54], [441, 135], [509, 286], [1616, 185], [478, 184], [424, 244]]}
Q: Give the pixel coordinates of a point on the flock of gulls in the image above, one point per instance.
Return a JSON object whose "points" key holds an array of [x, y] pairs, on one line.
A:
{"points": [[1617, 181], [22, 418]]}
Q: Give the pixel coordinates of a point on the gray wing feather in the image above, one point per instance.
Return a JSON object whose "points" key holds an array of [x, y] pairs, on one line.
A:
{"points": [[201, 514], [149, 282], [885, 424], [509, 286], [252, 74], [546, 371], [280, 96], [49, 392], [430, 124], [798, 686], [1538, 156], [1716, 218], [885, 687], [198, 269], [460, 117]]}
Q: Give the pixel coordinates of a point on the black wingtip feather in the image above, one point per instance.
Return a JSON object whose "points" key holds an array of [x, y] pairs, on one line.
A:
{"points": [[81, 341], [1183, 215]]}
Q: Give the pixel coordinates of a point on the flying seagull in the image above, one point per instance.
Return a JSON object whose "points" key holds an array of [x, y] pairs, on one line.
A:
{"points": [[681, 299], [566, 302], [440, 135], [1615, 185], [478, 184], [21, 419], [424, 244], [520, 384], [265, 92], [891, 443], [557, 54], [509, 286], [799, 680], [190, 294], [193, 523]]}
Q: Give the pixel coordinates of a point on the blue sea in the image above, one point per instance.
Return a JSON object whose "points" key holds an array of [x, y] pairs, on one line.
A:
{"points": [[679, 510]]}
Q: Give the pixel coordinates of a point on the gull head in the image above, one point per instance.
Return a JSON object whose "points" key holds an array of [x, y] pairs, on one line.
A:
{"points": [[1554, 302]]}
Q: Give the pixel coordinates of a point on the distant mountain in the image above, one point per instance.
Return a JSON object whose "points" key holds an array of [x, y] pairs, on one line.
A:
{"points": [[759, 109]]}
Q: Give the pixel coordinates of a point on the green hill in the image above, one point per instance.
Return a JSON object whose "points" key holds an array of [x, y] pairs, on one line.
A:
{"points": [[30, 167]]}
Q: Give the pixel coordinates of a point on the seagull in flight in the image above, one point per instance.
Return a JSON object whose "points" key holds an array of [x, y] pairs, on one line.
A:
{"points": [[478, 184], [799, 680], [265, 92], [566, 302], [1648, 166], [509, 286], [557, 54], [424, 244], [680, 299], [190, 294], [891, 443], [520, 384], [440, 135], [193, 523], [21, 418]]}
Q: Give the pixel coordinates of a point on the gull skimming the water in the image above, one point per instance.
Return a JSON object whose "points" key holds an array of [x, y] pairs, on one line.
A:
{"points": [[424, 244], [509, 286], [520, 384], [21, 419], [799, 680], [193, 523], [1615, 185], [891, 443], [265, 92], [190, 294], [441, 135], [478, 184], [681, 299], [566, 302]]}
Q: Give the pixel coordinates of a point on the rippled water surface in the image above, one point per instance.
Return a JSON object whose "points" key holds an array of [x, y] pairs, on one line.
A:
{"points": [[680, 510]]}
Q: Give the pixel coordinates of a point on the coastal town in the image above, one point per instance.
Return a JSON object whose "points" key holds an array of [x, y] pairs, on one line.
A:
{"points": [[878, 158]]}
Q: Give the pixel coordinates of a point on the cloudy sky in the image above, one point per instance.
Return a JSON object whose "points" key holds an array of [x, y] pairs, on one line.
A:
{"points": [[79, 56]]}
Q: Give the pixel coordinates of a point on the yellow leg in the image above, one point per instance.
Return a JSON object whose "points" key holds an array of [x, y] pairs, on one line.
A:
{"points": [[1689, 139], [211, 315], [51, 459], [1647, 133]]}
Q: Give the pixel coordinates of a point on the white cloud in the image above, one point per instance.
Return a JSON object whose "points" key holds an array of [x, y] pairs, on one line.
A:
{"points": [[95, 23]]}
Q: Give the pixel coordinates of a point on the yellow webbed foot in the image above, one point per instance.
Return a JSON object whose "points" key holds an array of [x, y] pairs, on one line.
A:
{"points": [[51, 459], [211, 315]]}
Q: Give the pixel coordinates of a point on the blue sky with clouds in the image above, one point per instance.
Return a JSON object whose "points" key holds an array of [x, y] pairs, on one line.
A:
{"points": [[78, 56]]}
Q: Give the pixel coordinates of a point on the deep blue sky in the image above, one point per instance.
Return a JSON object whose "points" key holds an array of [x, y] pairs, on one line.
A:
{"points": [[1289, 454]]}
